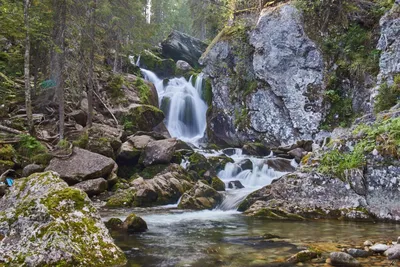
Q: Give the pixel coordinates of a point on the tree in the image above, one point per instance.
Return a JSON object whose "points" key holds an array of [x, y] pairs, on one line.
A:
{"points": [[28, 102], [91, 63]]}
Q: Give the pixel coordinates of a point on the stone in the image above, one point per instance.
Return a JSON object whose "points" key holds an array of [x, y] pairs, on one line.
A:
{"points": [[280, 165], [199, 164], [31, 169], [303, 256], [368, 243], [255, 149], [103, 140], [139, 117], [218, 184], [163, 67], [183, 66], [180, 46], [229, 151], [297, 153], [246, 164], [79, 116], [235, 185], [379, 248], [358, 253], [159, 152], [46, 222], [200, 197], [81, 166], [3, 189], [93, 187], [342, 259], [114, 224], [134, 224], [218, 163], [393, 253]]}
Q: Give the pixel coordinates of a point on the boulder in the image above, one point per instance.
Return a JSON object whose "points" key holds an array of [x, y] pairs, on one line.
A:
{"points": [[79, 116], [114, 224], [358, 253], [3, 189], [255, 149], [280, 165], [160, 66], [218, 163], [342, 259], [246, 164], [217, 184], [303, 256], [93, 187], [104, 140], [235, 185], [140, 117], [159, 152], [183, 66], [134, 224], [81, 166], [297, 153], [199, 164], [180, 46], [393, 253], [31, 169], [200, 197], [46, 223]]}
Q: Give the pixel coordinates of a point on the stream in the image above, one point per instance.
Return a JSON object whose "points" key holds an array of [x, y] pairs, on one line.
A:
{"points": [[223, 236]]}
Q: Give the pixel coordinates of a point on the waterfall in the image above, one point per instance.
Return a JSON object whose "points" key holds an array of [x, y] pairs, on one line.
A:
{"points": [[183, 106]]}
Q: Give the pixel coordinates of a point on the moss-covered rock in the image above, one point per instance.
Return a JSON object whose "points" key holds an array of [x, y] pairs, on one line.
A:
{"points": [[200, 197], [218, 163], [50, 224], [162, 67], [199, 163], [134, 224], [142, 118], [122, 198], [114, 224], [217, 184]]}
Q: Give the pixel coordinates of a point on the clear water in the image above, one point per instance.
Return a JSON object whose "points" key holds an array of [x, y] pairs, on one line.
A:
{"points": [[227, 238]]}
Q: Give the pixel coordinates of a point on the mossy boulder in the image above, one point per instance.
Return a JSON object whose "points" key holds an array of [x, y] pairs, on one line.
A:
{"points": [[47, 223], [162, 67], [122, 198], [199, 164], [114, 224], [141, 118], [218, 184], [218, 163], [256, 149], [7, 157], [200, 197], [134, 224]]}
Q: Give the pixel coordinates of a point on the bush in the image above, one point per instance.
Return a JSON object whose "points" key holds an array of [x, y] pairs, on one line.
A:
{"points": [[29, 146]]}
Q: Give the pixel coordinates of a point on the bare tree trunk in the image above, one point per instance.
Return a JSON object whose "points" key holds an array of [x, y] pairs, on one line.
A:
{"points": [[60, 15], [115, 68], [91, 64], [28, 101]]}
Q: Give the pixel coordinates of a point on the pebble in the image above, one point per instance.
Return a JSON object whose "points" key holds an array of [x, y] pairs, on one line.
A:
{"points": [[368, 243], [379, 248]]}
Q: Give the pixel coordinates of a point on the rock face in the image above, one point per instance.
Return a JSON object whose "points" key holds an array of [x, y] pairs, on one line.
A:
{"points": [[81, 166], [180, 46], [389, 45], [46, 223], [267, 82], [200, 197]]}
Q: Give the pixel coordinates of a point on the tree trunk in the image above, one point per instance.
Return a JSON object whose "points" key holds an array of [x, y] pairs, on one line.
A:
{"points": [[28, 101], [60, 15], [91, 64]]}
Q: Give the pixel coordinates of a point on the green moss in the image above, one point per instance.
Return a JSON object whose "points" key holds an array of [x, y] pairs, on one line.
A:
{"points": [[7, 153], [144, 91], [217, 184], [123, 198], [199, 163], [241, 118], [218, 163], [53, 202], [142, 118], [207, 92], [82, 141], [114, 223], [151, 171], [153, 62]]}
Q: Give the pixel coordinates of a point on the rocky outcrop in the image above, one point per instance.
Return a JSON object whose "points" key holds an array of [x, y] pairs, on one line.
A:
{"points": [[46, 223], [267, 81], [180, 46], [200, 197], [82, 165]]}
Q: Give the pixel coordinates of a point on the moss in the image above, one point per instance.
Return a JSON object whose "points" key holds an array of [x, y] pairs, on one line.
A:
{"points": [[53, 202], [207, 92], [42, 159], [151, 61], [7, 152], [123, 198], [199, 163], [151, 171], [144, 91], [388, 96], [114, 223], [218, 163], [135, 224], [5, 165], [217, 184], [82, 141], [241, 118], [277, 214], [142, 118]]}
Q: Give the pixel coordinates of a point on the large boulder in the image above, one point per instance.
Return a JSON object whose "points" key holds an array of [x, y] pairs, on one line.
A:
{"points": [[162, 67], [140, 118], [31, 169], [180, 46], [46, 223], [342, 259], [267, 80], [82, 165], [200, 197], [134, 224], [162, 151]]}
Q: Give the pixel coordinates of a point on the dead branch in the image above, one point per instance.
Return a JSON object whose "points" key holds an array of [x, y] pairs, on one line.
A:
{"points": [[10, 130], [115, 119]]}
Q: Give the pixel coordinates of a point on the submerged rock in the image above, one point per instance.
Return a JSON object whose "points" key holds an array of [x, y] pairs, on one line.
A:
{"points": [[81, 166], [46, 223], [342, 259], [303, 256], [200, 197], [235, 185], [134, 224]]}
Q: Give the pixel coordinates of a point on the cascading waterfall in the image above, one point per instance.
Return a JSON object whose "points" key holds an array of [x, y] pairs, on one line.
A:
{"points": [[183, 106], [185, 112]]}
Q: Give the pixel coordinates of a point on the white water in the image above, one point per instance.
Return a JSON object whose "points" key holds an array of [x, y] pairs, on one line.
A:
{"points": [[183, 106]]}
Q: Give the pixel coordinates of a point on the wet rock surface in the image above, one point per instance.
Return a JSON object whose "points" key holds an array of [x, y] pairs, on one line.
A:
{"points": [[200, 197]]}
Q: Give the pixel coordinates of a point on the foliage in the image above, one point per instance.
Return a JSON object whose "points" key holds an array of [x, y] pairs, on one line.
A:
{"points": [[28, 146], [388, 96], [143, 90]]}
